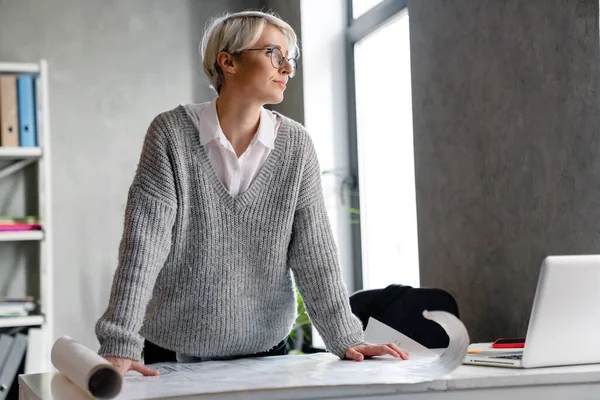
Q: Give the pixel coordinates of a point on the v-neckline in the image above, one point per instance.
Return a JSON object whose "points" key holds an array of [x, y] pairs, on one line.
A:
{"points": [[235, 203]]}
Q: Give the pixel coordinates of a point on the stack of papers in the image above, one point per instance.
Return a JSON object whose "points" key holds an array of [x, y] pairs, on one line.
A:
{"points": [[267, 373]]}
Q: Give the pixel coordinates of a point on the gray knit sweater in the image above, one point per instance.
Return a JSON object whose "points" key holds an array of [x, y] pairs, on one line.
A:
{"points": [[209, 275]]}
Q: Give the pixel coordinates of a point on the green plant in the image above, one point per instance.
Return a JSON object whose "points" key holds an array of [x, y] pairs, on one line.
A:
{"points": [[345, 179], [300, 335], [354, 211]]}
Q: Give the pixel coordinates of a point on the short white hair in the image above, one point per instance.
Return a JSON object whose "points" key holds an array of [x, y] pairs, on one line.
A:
{"points": [[235, 33]]}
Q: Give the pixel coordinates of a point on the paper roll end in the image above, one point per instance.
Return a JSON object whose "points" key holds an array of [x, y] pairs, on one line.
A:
{"points": [[105, 383]]}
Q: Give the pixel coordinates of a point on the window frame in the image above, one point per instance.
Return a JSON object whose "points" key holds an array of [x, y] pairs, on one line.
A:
{"points": [[357, 29]]}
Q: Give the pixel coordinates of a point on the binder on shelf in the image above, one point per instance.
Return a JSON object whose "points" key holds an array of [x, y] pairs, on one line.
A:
{"points": [[12, 363], [27, 126], [6, 342], [35, 350], [9, 128]]}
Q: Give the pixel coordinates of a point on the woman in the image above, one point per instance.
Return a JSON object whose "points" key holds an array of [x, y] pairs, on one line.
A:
{"points": [[225, 204]]}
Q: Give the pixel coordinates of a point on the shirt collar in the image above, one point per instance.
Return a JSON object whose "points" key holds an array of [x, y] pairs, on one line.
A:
{"points": [[266, 128], [208, 124], [210, 129]]}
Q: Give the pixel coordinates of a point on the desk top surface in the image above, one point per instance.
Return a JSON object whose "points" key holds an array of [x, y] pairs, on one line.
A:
{"points": [[39, 386]]}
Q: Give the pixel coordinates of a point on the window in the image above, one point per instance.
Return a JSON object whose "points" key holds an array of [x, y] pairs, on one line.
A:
{"points": [[359, 7], [384, 152]]}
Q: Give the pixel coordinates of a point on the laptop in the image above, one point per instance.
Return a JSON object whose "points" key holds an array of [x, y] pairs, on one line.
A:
{"points": [[564, 327]]}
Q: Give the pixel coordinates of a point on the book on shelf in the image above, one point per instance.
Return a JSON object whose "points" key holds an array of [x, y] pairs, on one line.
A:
{"points": [[12, 224], [17, 307], [18, 127]]}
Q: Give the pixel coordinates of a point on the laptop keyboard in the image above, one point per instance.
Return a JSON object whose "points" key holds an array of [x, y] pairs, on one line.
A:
{"points": [[510, 357]]}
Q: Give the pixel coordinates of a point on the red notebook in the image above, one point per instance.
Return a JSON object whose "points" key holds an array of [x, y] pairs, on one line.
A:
{"points": [[20, 227]]}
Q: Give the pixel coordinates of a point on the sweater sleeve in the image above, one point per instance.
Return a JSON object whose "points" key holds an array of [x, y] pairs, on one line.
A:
{"points": [[313, 257], [145, 245]]}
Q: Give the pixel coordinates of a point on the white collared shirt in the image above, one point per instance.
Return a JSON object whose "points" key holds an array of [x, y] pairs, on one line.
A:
{"points": [[235, 173]]}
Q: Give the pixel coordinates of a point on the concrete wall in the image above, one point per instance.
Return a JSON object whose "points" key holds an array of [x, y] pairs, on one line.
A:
{"points": [[293, 104], [113, 66], [505, 106]]}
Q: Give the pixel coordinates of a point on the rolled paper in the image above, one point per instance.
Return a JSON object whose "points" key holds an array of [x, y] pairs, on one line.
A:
{"points": [[90, 372]]}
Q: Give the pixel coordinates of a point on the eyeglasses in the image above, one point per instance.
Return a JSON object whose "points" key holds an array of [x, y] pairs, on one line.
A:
{"points": [[277, 59]]}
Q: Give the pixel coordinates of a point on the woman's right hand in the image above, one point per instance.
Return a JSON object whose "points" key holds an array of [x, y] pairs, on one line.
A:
{"points": [[125, 364]]}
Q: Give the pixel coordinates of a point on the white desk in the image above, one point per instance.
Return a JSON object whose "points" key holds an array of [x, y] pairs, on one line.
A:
{"points": [[466, 382]]}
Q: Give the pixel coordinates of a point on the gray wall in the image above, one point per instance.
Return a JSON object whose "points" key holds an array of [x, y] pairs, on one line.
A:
{"points": [[293, 104], [505, 103], [113, 66]]}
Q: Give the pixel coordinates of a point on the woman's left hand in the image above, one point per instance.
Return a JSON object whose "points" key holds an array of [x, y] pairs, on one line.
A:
{"points": [[358, 353]]}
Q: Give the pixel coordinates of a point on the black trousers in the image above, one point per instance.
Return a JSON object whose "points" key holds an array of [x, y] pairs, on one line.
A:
{"points": [[155, 354]]}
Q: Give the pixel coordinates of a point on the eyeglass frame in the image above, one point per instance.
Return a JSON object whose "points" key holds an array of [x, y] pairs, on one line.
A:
{"points": [[292, 61]]}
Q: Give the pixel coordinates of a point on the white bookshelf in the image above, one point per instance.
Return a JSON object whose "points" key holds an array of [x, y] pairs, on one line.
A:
{"points": [[17, 158], [21, 68], [21, 236], [30, 320], [20, 153]]}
